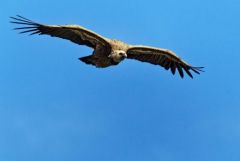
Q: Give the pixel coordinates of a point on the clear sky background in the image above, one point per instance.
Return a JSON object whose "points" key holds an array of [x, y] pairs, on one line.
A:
{"points": [[55, 108]]}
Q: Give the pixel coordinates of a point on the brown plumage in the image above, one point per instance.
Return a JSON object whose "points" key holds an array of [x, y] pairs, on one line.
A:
{"points": [[106, 51]]}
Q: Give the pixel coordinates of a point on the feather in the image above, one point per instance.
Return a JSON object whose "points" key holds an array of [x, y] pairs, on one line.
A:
{"points": [[180, 71], [28, 31], [173, 68], [187, 70], [168, 65]]}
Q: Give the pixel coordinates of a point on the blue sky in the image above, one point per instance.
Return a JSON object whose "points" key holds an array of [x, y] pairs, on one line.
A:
{"points": [[55, 108]]}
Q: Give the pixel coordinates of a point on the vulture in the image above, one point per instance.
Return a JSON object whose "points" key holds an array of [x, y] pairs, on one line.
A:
{"points": [[108, 52]]}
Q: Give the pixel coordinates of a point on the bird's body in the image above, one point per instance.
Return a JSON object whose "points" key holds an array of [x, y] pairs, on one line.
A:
{"points": [[108, 52], [99, 57]]}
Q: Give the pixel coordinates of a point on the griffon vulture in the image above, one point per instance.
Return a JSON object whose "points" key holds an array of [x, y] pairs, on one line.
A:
{"points": [[107, 52]]}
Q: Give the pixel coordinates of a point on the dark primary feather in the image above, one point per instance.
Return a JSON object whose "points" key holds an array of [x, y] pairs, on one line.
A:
{"points": [[165, 58], [74, 33]]}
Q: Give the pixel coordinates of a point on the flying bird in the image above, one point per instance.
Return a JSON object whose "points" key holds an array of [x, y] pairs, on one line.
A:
{"points": [[108, 52]]}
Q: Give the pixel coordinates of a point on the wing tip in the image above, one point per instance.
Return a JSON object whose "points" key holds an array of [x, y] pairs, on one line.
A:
{"points": [[197, 69], [28, 25], [187, 70], [22, 20]]}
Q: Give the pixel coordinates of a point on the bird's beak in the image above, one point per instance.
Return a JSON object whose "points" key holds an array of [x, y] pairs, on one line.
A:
{"points": [[125, 55]]}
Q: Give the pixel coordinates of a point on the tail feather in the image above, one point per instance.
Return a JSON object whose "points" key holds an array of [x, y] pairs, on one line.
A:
{"points": [[88, 60], [95, 61]]}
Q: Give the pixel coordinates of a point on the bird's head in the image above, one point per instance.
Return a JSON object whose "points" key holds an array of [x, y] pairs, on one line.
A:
{"points": [[118, 55]]}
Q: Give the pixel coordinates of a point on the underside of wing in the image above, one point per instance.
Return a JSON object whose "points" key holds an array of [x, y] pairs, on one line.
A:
{"points": [[74, 33], [165, 58]]}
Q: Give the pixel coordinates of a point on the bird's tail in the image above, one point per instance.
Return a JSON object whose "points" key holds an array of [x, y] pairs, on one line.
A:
{"points": [[88, 60]]}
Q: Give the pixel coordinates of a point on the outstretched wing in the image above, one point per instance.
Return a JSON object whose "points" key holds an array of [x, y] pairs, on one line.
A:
{"points": [[74, 33], [162, 57]]}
